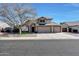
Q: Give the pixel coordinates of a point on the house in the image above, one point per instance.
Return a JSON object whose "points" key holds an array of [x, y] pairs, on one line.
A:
{"points": [[3, 25], [70, 26], [42, 25]]}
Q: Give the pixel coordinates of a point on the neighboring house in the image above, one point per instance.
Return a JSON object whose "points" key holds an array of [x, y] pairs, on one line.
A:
{"points": [[42, 25], [3, 25], [70, 26]]}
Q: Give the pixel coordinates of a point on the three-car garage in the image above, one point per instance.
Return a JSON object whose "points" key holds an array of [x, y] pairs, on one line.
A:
{"points": [[48, 29]]}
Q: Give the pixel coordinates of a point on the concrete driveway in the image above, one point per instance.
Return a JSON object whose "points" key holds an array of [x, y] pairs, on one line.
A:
{"points": [[42, 36], [58, 36]]}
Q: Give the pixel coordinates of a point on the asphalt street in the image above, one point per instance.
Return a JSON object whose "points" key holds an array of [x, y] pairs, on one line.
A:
{"points": [[39, 47]]}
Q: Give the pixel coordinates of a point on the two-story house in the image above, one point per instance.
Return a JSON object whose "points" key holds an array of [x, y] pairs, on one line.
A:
{"points": [[42, 25]]}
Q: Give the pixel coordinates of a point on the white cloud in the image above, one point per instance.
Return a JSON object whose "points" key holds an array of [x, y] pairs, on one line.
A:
{"points": [[75, 4], [72, 4]]}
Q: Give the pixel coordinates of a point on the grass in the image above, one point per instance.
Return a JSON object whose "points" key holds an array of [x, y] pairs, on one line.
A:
{"points": [[25, 33]]}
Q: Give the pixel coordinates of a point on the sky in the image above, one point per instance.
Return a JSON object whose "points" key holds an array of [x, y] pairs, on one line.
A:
{"points": [[60, 12]]}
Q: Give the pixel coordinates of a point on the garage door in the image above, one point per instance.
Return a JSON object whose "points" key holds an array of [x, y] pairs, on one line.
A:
{"points": [[57, 29], [43, 29]]}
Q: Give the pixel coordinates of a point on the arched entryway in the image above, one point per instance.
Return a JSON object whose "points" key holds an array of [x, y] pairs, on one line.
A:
{"points": [[33, 27]]}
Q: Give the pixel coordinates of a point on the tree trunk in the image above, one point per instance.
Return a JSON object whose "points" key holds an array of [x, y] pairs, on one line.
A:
{"points": [[20, 31]]}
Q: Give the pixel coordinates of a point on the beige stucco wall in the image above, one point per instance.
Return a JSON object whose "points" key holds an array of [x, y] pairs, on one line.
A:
{"points": [[29, 24], [48, 21], [24, 28], [52, 28], [64, 25]]}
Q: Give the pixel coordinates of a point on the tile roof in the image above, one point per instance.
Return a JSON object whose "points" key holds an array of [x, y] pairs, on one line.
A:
{"points": [[48, 24], [52, 23], [74, 23], [49, 18]]}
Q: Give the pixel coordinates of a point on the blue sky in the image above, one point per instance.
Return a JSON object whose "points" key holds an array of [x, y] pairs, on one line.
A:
{"points": [[60, 12]]}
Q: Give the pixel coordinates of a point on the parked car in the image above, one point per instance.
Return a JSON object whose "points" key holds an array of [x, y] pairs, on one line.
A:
{"points": [[8, 29]]}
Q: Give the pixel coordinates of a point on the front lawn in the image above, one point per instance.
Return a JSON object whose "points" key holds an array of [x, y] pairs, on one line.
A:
{"points": [[25, 33]]}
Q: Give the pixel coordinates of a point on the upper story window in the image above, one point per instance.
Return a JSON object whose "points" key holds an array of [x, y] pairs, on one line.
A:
{"points": [[42, 20]]}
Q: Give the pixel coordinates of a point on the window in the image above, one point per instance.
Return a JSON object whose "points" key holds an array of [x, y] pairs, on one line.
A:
{"points": [[42, 20]]}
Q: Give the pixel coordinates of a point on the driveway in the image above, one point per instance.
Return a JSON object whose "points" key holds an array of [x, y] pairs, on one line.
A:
{"points": [[73, 34], [42, 36], [58, 36]]}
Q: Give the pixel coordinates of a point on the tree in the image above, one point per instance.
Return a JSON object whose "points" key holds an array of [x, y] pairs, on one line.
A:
{"points": [[16, 14]]}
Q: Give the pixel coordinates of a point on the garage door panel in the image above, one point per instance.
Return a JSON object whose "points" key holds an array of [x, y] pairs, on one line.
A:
{"points": [[44, 29], [57, 29]]}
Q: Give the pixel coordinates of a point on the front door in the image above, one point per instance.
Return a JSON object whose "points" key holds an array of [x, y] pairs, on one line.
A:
{"points": [[33, 29]]}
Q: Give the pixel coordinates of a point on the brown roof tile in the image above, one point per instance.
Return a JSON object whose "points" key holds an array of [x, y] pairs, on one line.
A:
{"points": [[74, 23]]}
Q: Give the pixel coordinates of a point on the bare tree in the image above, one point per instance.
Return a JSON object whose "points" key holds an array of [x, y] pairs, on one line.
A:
{"points": [[16, 14]]}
